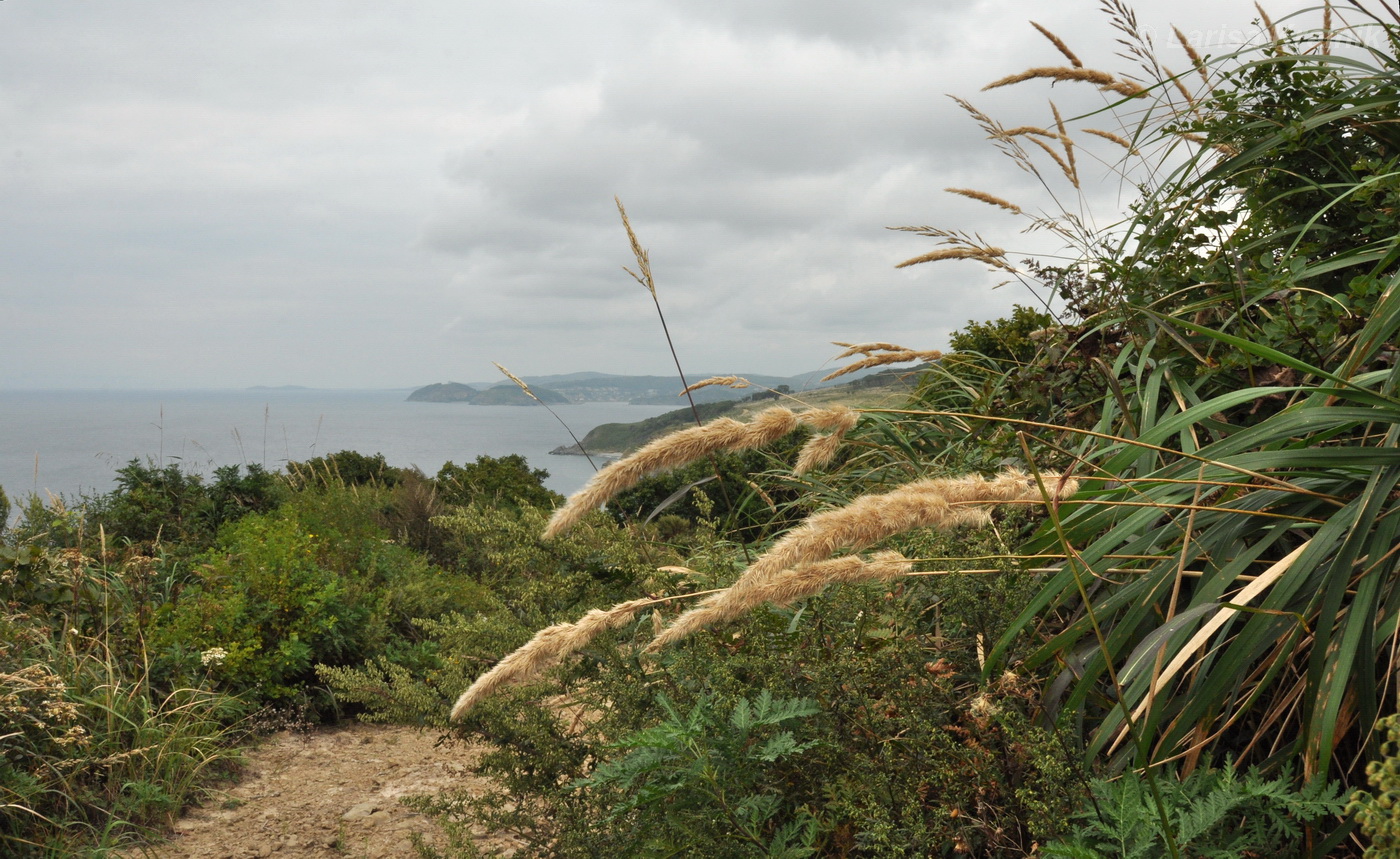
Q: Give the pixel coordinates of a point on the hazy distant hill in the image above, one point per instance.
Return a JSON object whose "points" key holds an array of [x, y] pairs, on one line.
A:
{"points": [[589, 387], [505, 394]]}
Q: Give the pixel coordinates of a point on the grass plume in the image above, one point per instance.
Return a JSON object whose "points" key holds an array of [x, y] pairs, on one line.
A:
{"points": [[1060, 45], [1115, 138], [990, 255], [671, 451], [548, 647], [1104, 80], [685, 446], [983, 196], [865, 348], [1192, 55], [821, 449], [929, 503], [900, 357], [727, 381]]}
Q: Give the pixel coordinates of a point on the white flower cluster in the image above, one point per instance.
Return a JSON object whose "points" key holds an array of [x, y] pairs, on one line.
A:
{"points": [[213, 656]]}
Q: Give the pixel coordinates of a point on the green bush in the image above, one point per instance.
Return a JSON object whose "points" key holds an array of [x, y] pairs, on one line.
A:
{"points": [[1378, 813], [1211, 812], [506, 481]]}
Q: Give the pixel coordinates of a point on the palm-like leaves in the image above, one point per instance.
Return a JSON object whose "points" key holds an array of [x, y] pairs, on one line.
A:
{"points": [[1261, 613]]}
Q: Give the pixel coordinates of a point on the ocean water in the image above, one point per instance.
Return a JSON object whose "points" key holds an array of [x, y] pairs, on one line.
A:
{"points": [[72, 442]]}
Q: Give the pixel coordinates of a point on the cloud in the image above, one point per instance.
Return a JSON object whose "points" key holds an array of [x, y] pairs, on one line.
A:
{"points": [[372, 194]]}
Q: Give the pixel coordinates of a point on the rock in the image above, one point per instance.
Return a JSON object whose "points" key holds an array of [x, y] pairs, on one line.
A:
{"points": [[361, 811]]}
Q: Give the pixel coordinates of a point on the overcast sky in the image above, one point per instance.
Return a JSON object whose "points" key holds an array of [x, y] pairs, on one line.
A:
{"points": [[337, 193]]}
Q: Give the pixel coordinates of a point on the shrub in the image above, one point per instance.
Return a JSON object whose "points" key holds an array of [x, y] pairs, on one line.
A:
{"points": [[506, 481]]}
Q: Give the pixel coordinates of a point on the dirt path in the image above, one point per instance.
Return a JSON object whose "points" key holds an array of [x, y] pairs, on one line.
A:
{"points": [[329, 793]]}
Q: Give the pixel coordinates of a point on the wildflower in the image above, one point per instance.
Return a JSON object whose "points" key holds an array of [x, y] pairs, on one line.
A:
{"points": [[213, 656]]}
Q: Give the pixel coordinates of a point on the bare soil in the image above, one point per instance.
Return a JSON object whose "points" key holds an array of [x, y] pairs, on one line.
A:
{"points": [[330, 793]]}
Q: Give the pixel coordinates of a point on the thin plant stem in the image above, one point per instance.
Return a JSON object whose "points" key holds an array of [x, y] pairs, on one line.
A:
{"points": [[526, 388]]}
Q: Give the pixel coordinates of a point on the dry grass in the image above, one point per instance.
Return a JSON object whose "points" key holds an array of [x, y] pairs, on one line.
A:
{"points": [[687, 445], [879, 360], [990, 255], [799, 565], [726, 381], [545, 650], [1104, 80], [1116, 138], [931, 503], [983, 196], [1059, 44]]}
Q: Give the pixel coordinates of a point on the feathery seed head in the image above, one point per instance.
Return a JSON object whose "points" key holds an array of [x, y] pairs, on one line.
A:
{"points": [[865, 348], [1060, 45], [546, 649], [990, 255], [931, 503], [984, 197], [670, 451], [727, 381], [1104, 80]]}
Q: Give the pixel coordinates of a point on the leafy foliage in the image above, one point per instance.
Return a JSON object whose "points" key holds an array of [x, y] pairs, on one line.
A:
{"points": [[1378, 814], [506, 481], [696, 778], [1212, 812]]}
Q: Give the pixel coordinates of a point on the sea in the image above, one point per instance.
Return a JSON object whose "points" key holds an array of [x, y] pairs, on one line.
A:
{"points": [[70, 443]]}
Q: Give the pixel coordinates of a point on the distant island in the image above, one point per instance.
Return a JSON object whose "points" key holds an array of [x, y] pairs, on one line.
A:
{"points": [[505, 394], [589, 387]]}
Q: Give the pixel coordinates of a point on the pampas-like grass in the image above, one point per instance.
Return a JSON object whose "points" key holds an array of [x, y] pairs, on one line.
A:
{"points": [[817, 452], [887, 358], [989, 255], [1060, 44], [821, 449], [810, 579], [930, 503], [1195, 57], [1022, 130], [546, 649], [984, 197], [671, 451], [865, 348], [1105, 80], [1116, 138], [687, 445], [727, 381]]}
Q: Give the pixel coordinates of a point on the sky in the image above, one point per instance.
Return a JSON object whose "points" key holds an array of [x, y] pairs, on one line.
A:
{"points": [[354, 194]]}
